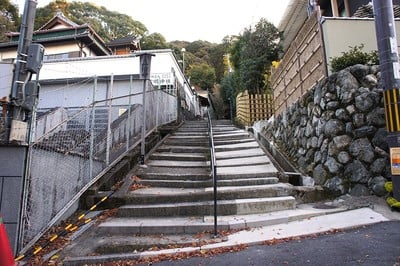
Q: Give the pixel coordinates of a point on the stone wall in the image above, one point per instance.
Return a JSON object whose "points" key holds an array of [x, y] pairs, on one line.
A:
{"points": [[336, 133]]}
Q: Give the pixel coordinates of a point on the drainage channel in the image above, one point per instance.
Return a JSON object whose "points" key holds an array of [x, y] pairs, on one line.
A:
{"points": [[294, 177]]}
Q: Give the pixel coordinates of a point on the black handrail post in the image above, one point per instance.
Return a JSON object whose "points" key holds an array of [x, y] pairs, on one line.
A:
{"points": [[215, 200], [213, 172]]}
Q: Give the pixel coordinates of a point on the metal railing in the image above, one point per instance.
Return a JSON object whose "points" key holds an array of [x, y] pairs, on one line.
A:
{"points": [[70, 157], [213, 164]]}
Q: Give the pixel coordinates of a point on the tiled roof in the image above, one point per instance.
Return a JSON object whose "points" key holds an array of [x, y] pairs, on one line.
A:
{"points": [[123, 41], [367, 11], [59, 18]]}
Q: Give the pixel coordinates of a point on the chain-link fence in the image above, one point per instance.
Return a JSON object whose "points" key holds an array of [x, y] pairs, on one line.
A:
{"points": [[70, 157], [2, 122]]}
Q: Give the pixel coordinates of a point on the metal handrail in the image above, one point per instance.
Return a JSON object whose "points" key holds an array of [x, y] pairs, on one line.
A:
{"points": [[213, 170]]}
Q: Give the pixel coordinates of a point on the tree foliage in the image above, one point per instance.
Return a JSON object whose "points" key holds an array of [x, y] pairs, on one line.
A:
{"points": [[108, 24], [153, 41], [354, 56], [229, 83], [9, 18], [252, 55], [202, 75], [198, 55], [218, 57]]}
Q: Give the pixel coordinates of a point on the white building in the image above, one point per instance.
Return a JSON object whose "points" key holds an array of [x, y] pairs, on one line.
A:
{"points": [[69, 82]]}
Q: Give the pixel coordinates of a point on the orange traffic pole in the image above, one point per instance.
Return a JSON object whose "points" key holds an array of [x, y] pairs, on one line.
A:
{"points": [[6, 255]]}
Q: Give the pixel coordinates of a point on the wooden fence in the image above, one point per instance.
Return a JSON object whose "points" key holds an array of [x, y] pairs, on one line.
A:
{"points": [[251, 108], [302, 66]]}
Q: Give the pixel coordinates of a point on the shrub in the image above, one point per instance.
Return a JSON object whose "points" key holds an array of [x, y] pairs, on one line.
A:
{"points": [[354, 56]]}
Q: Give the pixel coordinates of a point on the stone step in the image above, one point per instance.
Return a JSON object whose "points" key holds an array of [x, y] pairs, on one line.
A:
{"points": [[194, 127], [188, 137], [177, 164], [178, 156], [195, 123], [192, 130], [225, 207], [198, 224], [256, 160], [172, 195], [231, 136], [189, 133], [218, 142], [182, 149], [248, 171], [247, 181], [243, 153], [173, 183], [120, 237], [188, 142], [227, 128], [250, 180], [222, 122], [182, 174], [224, 131], [236, 146]]}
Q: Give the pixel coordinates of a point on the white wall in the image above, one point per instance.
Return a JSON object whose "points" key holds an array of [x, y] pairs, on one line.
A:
{"points": [[6, 75], [340, 33], [81, 94]]}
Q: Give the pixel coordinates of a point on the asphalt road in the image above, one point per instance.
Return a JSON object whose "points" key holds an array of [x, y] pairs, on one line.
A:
{"points": [[375, 245]]}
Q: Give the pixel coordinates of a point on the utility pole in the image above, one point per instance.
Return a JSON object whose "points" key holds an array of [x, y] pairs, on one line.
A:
{"points": [[14, 148], [390, 71], [24, 91], [145, 66]]}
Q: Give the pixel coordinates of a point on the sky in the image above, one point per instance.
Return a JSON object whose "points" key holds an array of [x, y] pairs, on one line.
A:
{"points": [[185, 20]]}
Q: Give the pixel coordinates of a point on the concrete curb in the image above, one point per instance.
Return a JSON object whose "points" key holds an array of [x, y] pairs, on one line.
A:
{"points": [[256, 236]]}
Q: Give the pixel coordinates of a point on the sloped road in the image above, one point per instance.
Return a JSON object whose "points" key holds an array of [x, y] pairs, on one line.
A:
{"points": [[373, 245]]}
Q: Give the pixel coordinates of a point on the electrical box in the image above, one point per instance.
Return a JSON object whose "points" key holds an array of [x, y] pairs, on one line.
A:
{"points": [[31, 94], [18, 131], [34, 61]]}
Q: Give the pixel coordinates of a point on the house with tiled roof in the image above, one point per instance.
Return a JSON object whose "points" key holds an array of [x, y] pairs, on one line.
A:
{"points": [[124, 45], [62, 39], [315, 31]]}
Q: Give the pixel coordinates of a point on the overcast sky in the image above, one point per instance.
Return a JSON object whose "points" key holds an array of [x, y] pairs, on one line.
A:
{"points": [[209, 20]]}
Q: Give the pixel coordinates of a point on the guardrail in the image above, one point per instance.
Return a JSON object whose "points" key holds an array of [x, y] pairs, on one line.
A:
{"points": [[213, 170], [73, 155]]}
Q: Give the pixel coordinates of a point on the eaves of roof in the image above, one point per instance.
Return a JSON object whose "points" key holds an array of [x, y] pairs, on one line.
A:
{"points": [[82, 33], [292, 20], [123, 41], [59, 18]]}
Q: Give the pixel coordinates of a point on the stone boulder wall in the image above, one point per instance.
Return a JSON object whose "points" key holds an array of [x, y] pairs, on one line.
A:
{"points": [[336, 133]]}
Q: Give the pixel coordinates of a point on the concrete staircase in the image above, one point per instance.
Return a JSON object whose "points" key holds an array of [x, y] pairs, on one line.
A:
{"points": [[178, 183], [173, 192]]}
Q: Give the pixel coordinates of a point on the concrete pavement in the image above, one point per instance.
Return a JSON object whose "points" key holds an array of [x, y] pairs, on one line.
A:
{"points": [[172, 213], [334, 216], [371, 245]]}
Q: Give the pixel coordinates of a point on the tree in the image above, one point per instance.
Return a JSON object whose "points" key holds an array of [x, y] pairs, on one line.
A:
{"points": [[201, 50], [44, 14], [252, 54], [108, 24], [202, 75], [218, 55], [153, 41], [9, 18], [229, 84]]}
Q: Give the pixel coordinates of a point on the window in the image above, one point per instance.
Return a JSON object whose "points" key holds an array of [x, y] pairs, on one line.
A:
{"points": [[62, 56]]}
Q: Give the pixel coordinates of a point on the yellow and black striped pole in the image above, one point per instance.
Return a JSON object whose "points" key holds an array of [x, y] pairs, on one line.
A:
{"points": [[390, 73], [71, 227], [392, 109]]}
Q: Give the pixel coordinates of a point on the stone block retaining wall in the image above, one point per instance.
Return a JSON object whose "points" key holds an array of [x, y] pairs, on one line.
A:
{"points": [[336, 133]]}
